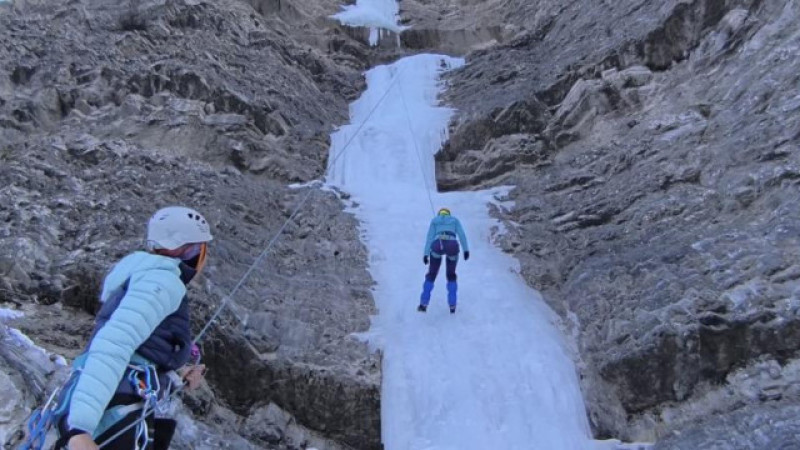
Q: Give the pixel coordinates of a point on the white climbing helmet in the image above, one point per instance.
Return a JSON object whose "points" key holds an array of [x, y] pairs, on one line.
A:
{"points": [[174, 226]]}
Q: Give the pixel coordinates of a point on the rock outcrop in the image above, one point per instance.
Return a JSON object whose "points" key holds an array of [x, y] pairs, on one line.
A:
{"points": [[110, 109], [654, 150]]}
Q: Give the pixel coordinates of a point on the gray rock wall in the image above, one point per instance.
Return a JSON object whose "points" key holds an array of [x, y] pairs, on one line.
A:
{"points": [[654, 149], [111, 109]]}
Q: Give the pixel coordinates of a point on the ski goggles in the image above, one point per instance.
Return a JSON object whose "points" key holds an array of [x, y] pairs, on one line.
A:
{"points": [[195, 255]]}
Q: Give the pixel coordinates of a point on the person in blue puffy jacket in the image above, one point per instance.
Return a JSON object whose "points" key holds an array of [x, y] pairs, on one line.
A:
{"points": [[444, 234], [142, 325]]}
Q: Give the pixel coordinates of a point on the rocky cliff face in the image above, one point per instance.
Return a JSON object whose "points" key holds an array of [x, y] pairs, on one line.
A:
{"points": [[653, 146], [111, 109], [654, 150]]}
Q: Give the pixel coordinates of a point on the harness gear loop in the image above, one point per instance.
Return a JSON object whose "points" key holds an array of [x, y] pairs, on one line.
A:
{"points": [[144, 380]]}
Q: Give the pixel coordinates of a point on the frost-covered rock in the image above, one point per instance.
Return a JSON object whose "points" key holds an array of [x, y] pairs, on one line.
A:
{"points": [[28, 373]]}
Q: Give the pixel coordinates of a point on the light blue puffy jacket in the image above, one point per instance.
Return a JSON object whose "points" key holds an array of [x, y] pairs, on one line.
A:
{"points": [[155, 291], [441, 224]]}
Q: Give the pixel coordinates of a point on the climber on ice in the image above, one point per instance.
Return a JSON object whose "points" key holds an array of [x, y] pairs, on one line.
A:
{"points": [[141, 342], [442, 242]]}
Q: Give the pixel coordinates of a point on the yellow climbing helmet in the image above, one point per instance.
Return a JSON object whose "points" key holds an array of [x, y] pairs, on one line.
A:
{"points": [[444, 212]]}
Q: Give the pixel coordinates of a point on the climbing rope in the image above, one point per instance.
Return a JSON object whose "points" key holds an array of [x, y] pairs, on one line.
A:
{"points": [[416, 149], [303, 201], [40, 421]]}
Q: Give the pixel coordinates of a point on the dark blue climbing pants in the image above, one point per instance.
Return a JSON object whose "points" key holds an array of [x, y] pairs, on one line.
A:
{"points": [[441, 248]]}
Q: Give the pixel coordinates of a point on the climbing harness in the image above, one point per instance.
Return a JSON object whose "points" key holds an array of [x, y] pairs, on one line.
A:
{"points": [[446, 235], [144, 381]]}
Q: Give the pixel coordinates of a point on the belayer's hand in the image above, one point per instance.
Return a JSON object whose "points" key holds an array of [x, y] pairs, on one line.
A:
{"points": [[193, 376], [82, 441], [466, 256], [425, 260]]}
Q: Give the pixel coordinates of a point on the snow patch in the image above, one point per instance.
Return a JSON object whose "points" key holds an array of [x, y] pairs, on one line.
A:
{"points": [[19, 339], [371, 13], [9, 314], [22, 340], [500, 229], [377, 15], [308, 184]]}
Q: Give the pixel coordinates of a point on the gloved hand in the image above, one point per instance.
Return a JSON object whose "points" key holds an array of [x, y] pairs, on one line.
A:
{"points": [[425, 260], [466, 256], [192, 376]]}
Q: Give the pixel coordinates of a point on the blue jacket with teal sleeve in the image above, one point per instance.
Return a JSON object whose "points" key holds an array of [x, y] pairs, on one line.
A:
{"points": [[154, 292], [442, 224]]}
